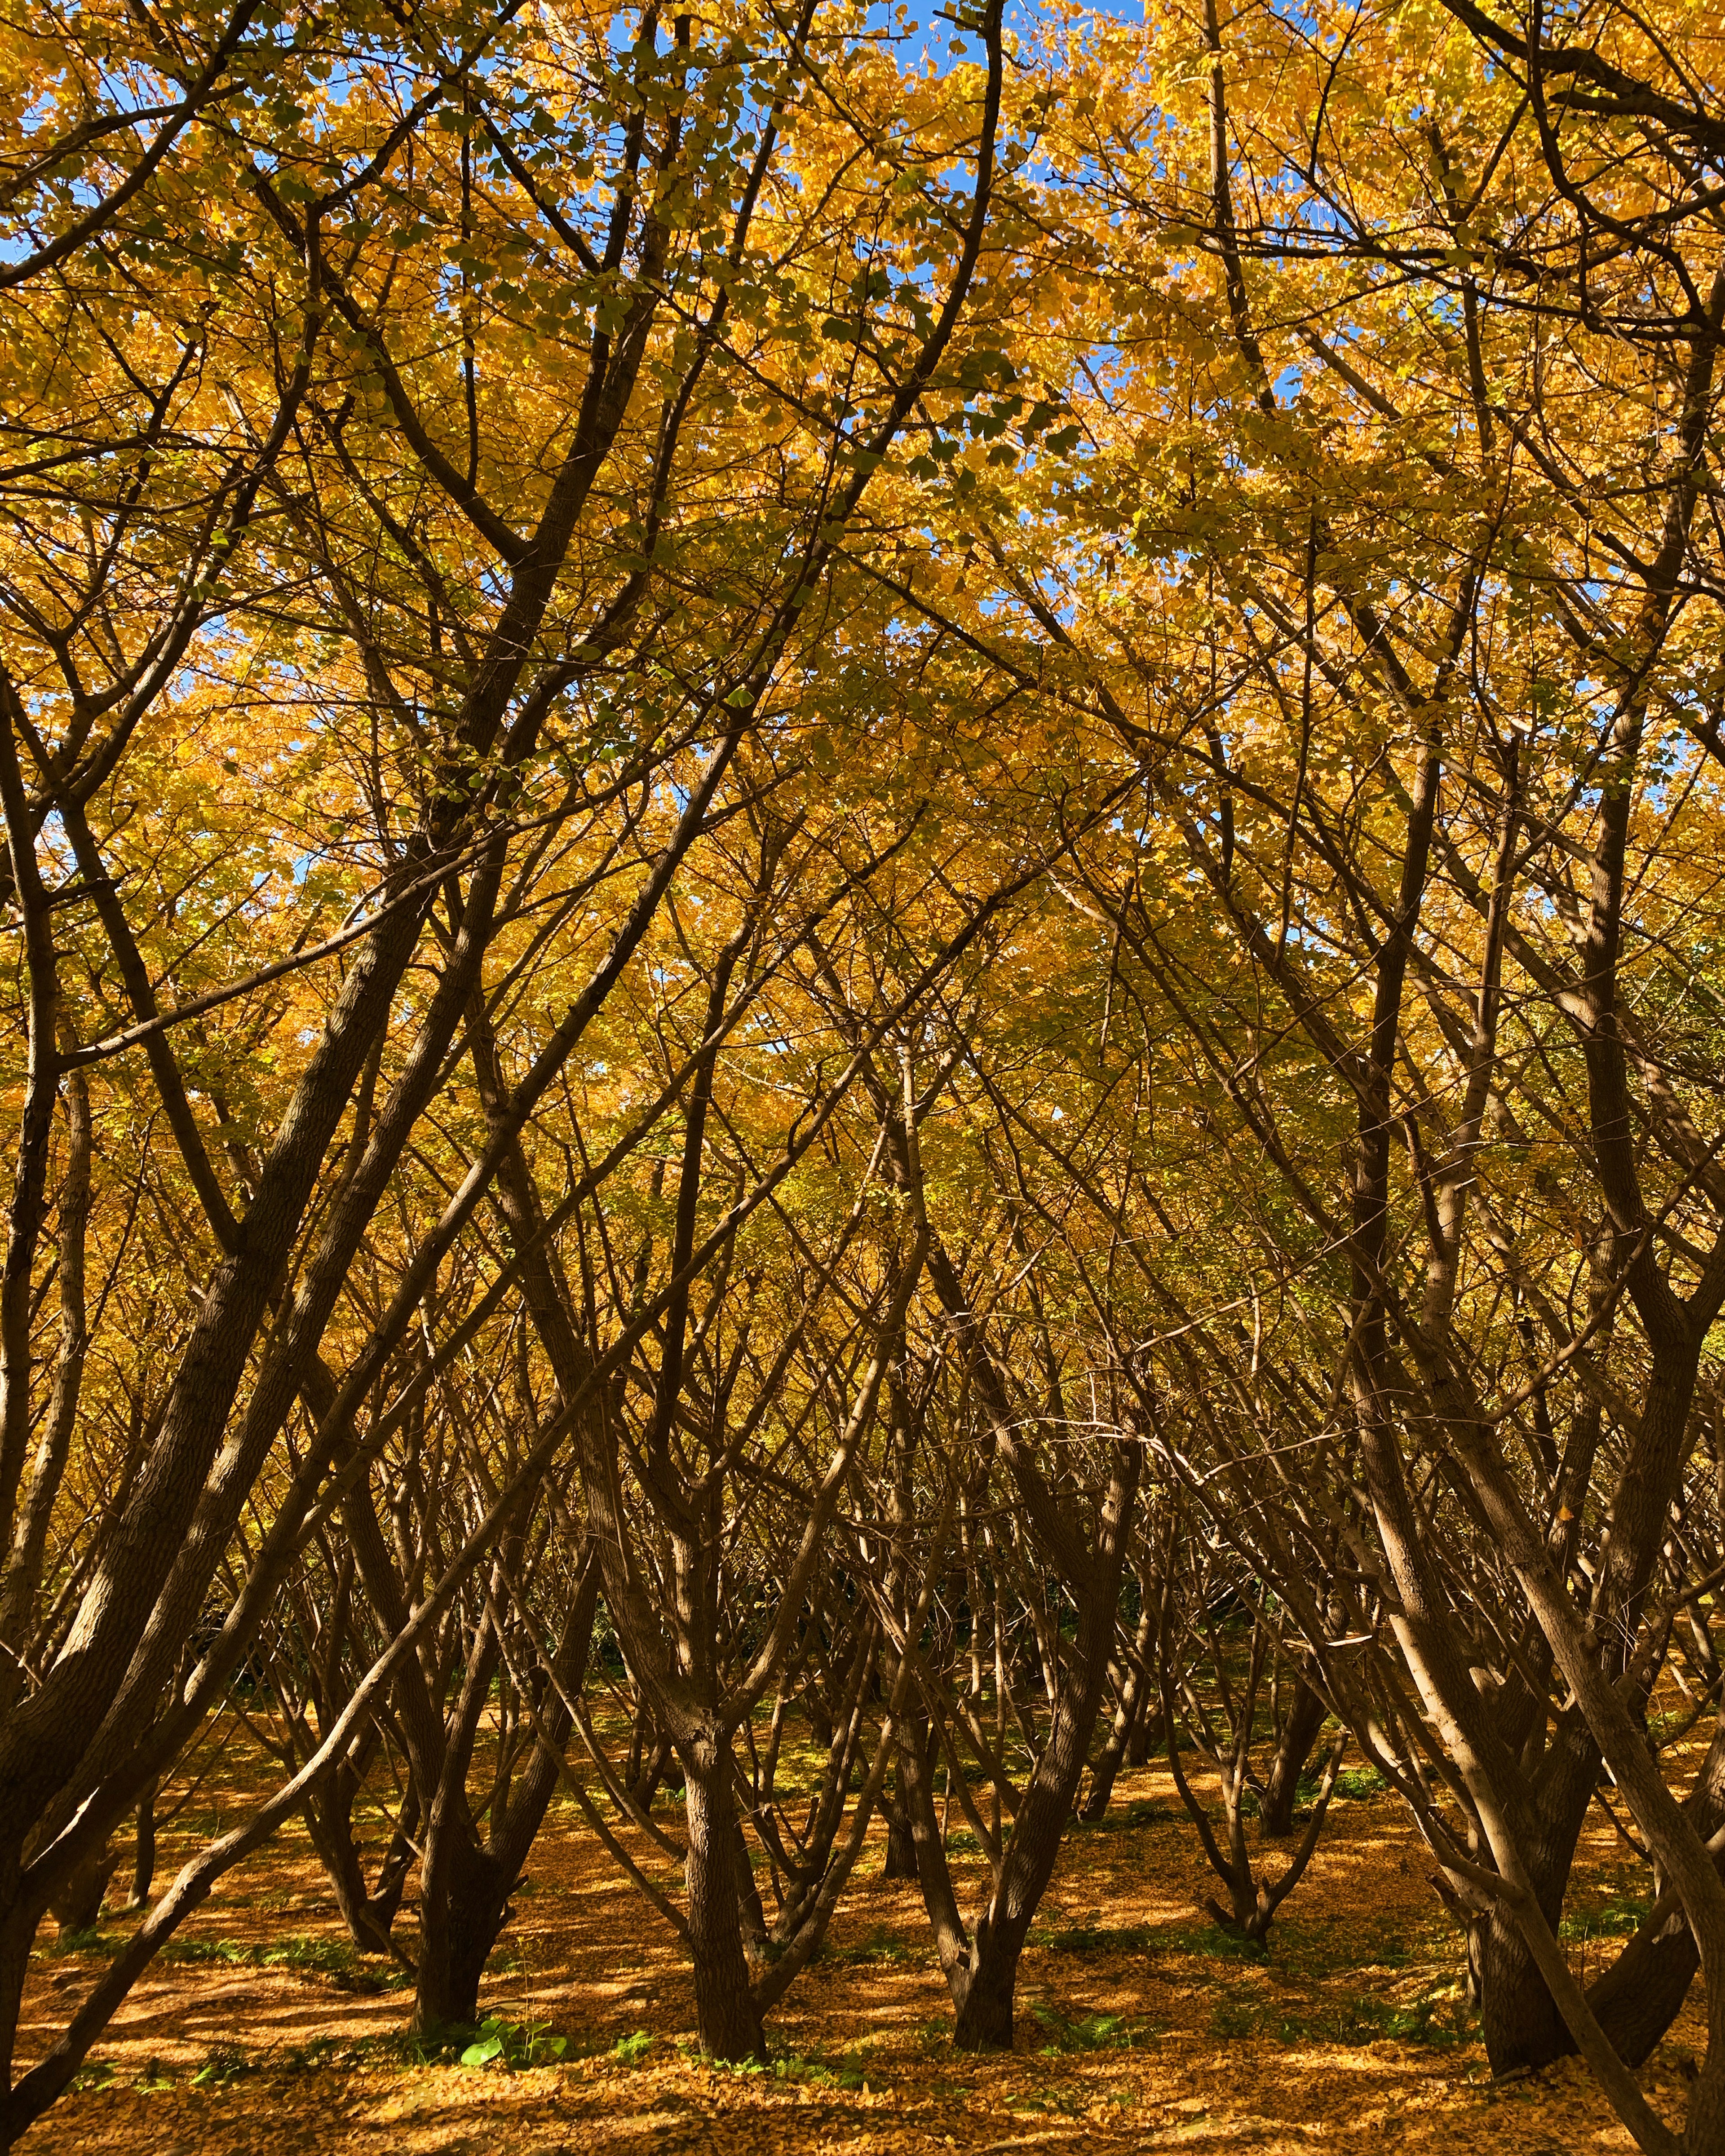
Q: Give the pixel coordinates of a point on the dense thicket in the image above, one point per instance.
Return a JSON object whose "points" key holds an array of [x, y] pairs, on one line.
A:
{"points": [[863, 916]]}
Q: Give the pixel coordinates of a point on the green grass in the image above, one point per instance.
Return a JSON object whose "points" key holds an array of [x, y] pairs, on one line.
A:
{"points": [[1089, 2032], [328, 1957], [326, 2051], [496, 2041], [1088, 1939], [1614, 1918], [850, 2070], [91, 1942], [1357, 2019], [1049, 2103], [1205, 1939], [1084, 1939], [227, 2062], [1143, 1811], [334, 1958], [882, 1945]]}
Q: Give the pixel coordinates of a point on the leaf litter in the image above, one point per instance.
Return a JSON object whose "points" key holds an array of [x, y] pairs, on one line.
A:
{"points": [[1140, 2025]]}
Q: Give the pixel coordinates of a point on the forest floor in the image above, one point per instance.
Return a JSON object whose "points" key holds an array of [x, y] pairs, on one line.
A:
{"points": [[1141, 2026]]}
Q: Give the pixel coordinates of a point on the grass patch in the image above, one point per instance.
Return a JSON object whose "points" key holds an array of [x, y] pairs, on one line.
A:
{"points": [[813, 2068], [1614, 1918], [1050, 2103], [334, 1958], [1086, 1939], [1091, 1939], [1143, 1811], [1440, 2024], [882, 1944], [321, 2051], [1088, 2032], [104, 1944], [227, 2062], [1311, 1946], [325, 1957], [1204, 1939], [496, 2041]]}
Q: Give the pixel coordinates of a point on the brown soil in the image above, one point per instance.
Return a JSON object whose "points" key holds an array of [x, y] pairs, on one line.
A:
{"points": [[1137, 2029]]}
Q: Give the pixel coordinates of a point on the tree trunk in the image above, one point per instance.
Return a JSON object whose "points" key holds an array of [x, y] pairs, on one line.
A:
{"points": [[984, 1981], [1639, 1997], [464, 1905], [727, 2021], [79, 1902], [329, 1821], [1129, 1711], [1519, 2019], [143, 1868], [661, 1766], [1145, 1736], [901, 1841], [1299, 1733], [984, 2021]]}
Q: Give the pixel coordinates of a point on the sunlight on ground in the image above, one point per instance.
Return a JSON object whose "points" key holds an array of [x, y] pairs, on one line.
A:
{"points": [[1140, 2025]]}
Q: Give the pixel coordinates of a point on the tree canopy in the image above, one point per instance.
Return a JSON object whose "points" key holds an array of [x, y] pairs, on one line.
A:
{"points": [[863, 872]]}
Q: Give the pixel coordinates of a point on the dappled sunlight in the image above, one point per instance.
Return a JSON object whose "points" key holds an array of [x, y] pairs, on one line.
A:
{"points": [[1139, 2025]]}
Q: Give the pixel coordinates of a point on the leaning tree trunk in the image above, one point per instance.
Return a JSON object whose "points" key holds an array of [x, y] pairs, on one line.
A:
{"points": [[984, 2021], [143, 1863], [985, 1981], [1637, 1999], [1136, 1706], [369, 1917], [1299, 1734]]}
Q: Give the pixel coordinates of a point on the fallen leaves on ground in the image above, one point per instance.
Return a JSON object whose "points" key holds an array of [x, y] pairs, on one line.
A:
{"points": [[1140, 2026]]}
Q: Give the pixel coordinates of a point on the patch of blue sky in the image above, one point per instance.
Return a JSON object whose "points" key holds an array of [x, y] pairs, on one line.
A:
{"points": [[931, 40]]}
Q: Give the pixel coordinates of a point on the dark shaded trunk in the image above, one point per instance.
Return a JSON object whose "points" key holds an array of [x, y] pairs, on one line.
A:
{"points": [[900, 1839], [143, 1863], [1639, 1997], [79, 1902], [982, 1971], [727, 2021], [1144, 1740], [752, 1916], [1136, 1707], [1299, 1734], [984, 2021], [465, 1884], [369, 1915], [1135, 1730], [661, 1766], [464, 1908]]}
